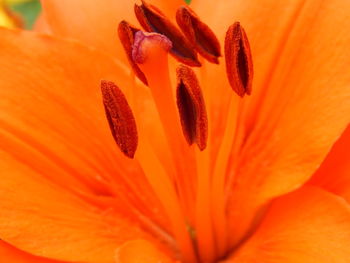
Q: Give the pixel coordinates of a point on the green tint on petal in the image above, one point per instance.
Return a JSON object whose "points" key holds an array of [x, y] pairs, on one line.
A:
{"points": [[188, 1], [29, 11]]}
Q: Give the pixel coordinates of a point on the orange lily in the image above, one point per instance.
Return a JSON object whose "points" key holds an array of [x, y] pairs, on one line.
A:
{"points": [[243, 195]]}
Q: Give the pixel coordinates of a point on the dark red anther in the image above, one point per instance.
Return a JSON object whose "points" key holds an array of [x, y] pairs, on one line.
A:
{"points": [[191, 107], [120, 118], [239, 63], [199, 34]]}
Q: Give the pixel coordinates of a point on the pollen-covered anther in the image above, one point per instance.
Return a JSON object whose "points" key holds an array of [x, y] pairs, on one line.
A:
{"points": [[120, 118], [191, 107], [199, 34], [239, 64], [126, 33], [153, 20]]}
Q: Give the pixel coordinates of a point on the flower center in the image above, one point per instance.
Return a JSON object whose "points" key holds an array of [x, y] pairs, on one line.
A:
{"points": [[193, 195]]}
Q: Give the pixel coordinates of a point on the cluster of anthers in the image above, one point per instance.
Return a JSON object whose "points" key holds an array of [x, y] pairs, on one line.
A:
{"points": [[196, 37], [145, 52]]}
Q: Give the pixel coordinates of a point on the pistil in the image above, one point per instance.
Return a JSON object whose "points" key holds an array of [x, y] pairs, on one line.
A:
{"points": [[150, 53], [126, 33]]}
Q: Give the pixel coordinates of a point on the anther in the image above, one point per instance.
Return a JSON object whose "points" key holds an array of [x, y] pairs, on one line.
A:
{"points": [[120, 118], [199, 34], [239, 64], [126, 34], [153, 20], [191, 107]]}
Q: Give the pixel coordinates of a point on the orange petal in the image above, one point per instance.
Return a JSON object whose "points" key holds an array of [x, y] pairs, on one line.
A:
{"points": [[307, 226], [11, 254], [334, 173], [268, 24], [96, 22], [140, 250], [52, 120], [288, 128], [46, 220], [41, 24], [52, 115]]}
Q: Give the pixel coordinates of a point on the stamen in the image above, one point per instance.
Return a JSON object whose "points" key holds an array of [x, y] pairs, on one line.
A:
{"points": [[126, 34], [120, 118], [153, 20], [206, 244], [191, 107], [164, 189], [239, 64], [199, 34], [219, 177]]}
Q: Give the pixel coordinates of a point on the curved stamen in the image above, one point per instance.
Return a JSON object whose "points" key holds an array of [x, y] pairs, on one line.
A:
{"points": [[194, 122], [199, 34]]}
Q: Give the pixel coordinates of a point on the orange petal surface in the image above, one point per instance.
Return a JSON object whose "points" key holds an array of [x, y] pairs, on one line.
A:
{"points": [[307, 226], [55, 145], [11, 254], [334, 173], [46, 220], [136, 251], [51, 109], [294, 117], [41, 24]]}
